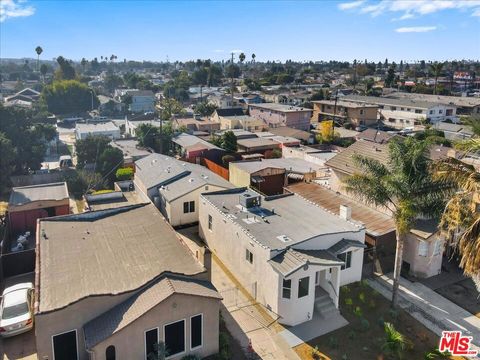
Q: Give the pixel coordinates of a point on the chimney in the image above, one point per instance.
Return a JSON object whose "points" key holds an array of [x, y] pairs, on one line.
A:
{"points": [[345, 212]]}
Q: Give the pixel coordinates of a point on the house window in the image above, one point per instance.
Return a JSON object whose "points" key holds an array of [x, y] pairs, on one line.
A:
{"points": [[249, 256], [188, 207], [423, 248], [346, 257], [361, 112], [196, 331], [437, 249], [174, 335], [65, 346], [286, 288], [151, 339], [393, 108], [110, 353], [206, 187], [440, 111], [431, 112], [210, 222], [303, 284], [417, 111], [402, 109]]}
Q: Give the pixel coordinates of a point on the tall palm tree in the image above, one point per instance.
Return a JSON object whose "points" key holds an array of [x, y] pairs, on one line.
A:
{"points": [[436, 69], [84, 63], [38, 50], [404, 186], [461, 218], [241, 57], [253, 57]]}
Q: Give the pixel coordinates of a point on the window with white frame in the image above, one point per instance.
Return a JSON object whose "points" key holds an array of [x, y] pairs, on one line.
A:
{"points": [[249, 256], [151, 339], [303, 285], [196, 331], [188, 207], [346, 257], [422, 248], [287, 288], [174, 338], [210, 222], [437, 249]]}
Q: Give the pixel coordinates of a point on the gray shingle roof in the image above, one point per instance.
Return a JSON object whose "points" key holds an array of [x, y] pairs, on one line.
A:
{"points": [[122, 315], [26, 194], [343, 245], [291, 260], [106, 252]]}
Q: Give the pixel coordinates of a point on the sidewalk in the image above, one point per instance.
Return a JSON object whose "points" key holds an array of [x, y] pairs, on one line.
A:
{"points": [[431, 309], [250, 322]]}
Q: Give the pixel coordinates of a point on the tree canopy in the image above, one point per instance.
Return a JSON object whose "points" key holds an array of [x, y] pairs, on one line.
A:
{"points": [[68, 96]]}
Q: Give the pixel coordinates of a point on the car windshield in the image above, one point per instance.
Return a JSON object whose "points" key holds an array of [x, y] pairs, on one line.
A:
{"points": [[14, 311]]}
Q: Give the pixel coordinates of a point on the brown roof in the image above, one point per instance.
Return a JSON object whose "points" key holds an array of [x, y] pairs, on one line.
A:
{"points": [[344, 161], [376, 223], [375, 135], [106, 252], [291, 132], [122, 315]]}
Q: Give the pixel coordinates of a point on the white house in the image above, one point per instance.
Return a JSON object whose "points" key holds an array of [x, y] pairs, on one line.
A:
{"points": [[175, 186], [291, 255], [108, 129], [142, 101]]}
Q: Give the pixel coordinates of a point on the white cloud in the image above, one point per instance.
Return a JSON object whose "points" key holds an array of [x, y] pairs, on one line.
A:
{"points": [[236, 51], [413, 8], [350, 5], [416, 29], [14, 8]]}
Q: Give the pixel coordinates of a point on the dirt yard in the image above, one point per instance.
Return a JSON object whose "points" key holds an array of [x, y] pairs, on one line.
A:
{"points": [[364, 337], [464, 294]]}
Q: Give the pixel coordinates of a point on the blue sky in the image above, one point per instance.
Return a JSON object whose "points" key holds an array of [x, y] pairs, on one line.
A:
{"points": [[273, 30]]}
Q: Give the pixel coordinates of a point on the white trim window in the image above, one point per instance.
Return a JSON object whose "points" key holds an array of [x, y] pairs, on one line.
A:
{"points": [[188, 207], [174, 335], [437, 248], [423, 248], [303, 287], [196, 332], [150, 337], [249, 256], [346, 257], [287, 288], [62, 350]]}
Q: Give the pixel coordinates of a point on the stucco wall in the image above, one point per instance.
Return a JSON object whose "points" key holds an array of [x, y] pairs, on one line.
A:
{"points": [[423, 266], [130, 342]]}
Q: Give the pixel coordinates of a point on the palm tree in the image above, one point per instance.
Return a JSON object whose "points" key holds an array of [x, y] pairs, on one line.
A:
{"points": [[84, 63], [38, 50], [461, 218], [404, 186], [253, 57], [395, 342], [436, 69], [241, 57]]}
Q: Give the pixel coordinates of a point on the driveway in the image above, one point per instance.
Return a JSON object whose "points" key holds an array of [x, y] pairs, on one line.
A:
{"points": [[20, 347], [252, 325]]}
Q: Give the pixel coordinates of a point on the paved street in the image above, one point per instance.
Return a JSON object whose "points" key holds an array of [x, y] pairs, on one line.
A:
{"points": [[431, 309]]}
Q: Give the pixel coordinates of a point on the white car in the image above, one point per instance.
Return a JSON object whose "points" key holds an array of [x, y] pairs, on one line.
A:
{"points": [[16, 310]]}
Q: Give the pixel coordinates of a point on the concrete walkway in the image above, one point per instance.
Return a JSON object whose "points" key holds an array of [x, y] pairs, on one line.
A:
{"points": [[431, 309], [248, 321]]}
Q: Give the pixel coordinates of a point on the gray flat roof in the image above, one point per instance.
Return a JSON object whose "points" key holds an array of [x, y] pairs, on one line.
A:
{"points": [[456, 100], [280, 107], [412, 103], [130, 148], [106, 252], [283, 216], [187, 140], [27, 194], [122, 315], [257, 142], [106, 126]]}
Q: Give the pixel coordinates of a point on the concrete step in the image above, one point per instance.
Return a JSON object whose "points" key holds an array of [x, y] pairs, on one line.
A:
{"points": [[323, 301]]}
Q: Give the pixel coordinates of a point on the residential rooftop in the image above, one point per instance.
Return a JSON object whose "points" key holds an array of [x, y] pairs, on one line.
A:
{"points": [[347, 104], [87, 128], [237, 111], [408, 103], [279, 107], [188, 141], [130, 148], [106, 252], [460, 101], [293, 165], [280, 221], [27, 194]]}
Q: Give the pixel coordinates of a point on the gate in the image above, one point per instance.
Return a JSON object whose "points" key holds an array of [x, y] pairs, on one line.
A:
{"points": [[237, 298]]}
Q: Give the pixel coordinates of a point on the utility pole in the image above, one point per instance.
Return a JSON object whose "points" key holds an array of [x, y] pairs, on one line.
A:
{"points": [[231, 84]]}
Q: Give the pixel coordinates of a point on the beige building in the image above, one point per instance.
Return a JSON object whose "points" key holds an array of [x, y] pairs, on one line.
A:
{"points": [[244, 122], [356, 114], [112, 283], [424, 245]]}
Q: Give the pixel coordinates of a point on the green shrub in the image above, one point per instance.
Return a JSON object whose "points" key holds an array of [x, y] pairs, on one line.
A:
{"points": [[345, 289], [348, 301], [358, 311], [381, 322], [364, 283], [364, 324], [372, 304], [124, 174], [352, 334], [361, 297], [224, 346]]}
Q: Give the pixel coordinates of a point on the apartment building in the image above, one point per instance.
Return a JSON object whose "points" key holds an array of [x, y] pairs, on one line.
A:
{"points": [[345, 112], [275, 115]]}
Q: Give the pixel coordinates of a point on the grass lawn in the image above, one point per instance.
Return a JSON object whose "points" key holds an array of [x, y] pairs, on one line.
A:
{"points": [[364, 336]]}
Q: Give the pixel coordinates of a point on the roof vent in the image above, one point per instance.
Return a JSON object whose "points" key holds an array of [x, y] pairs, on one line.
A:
{"points": [[284, 238], [190, 180]]}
